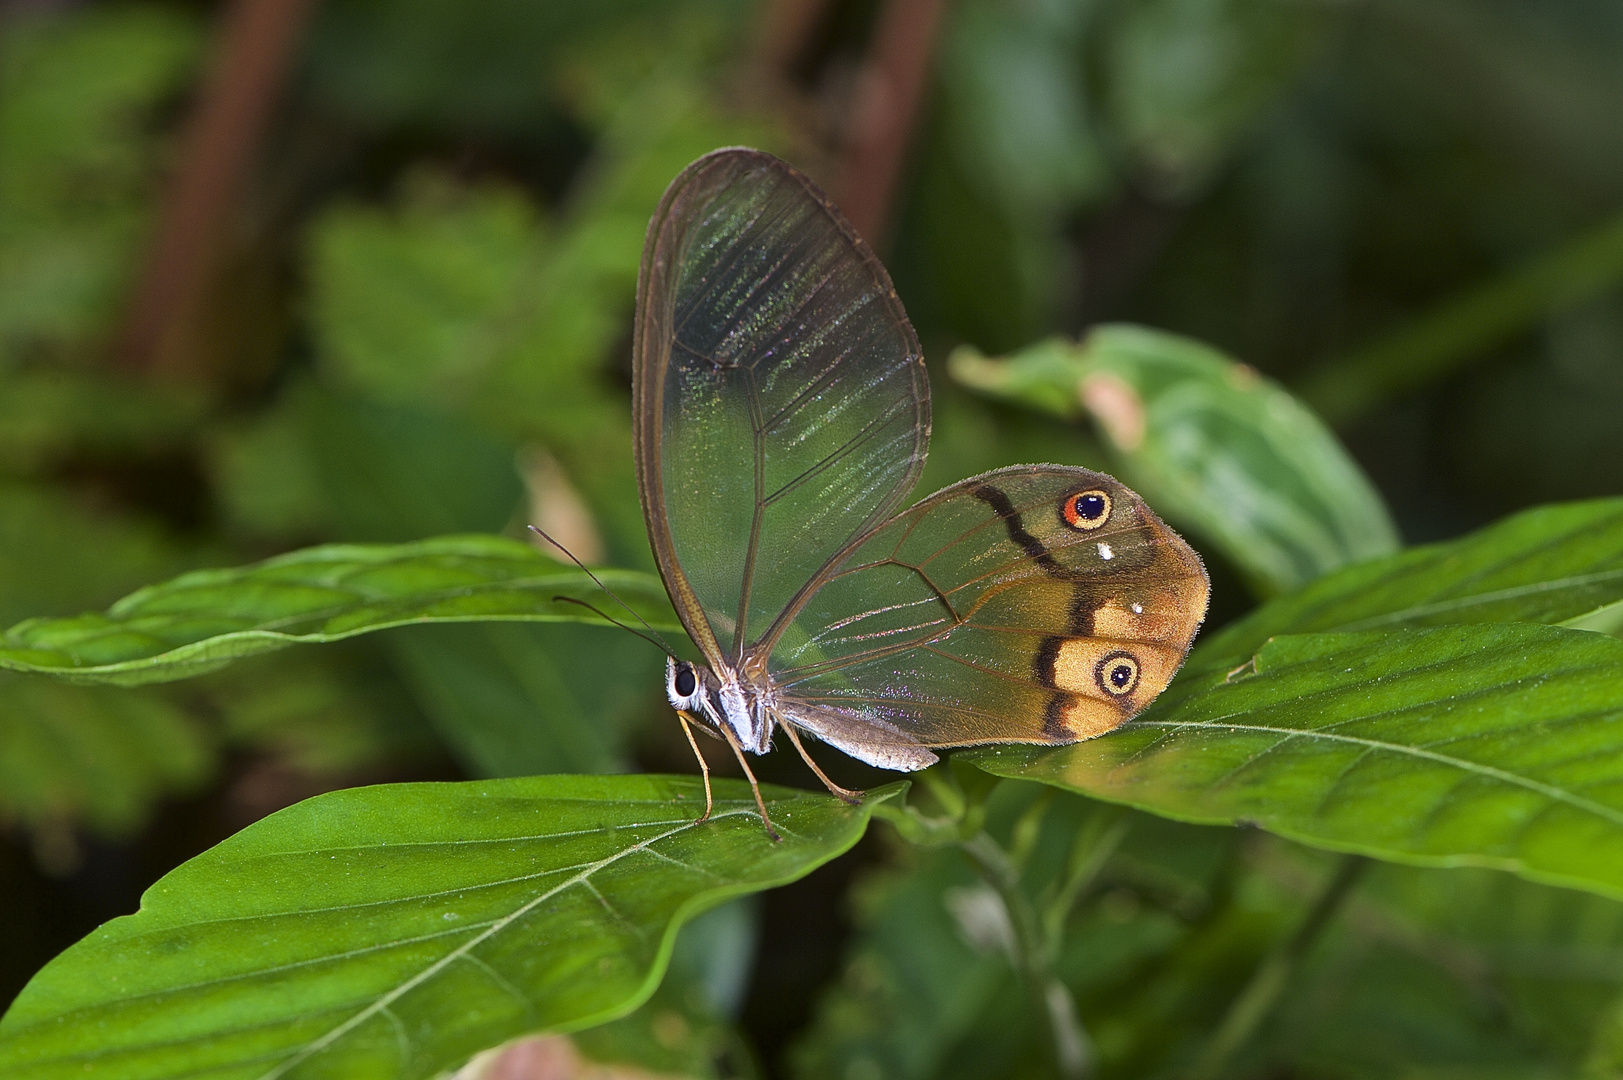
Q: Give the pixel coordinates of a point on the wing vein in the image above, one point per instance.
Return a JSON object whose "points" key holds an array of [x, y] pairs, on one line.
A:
{"points": [[757, 514]]}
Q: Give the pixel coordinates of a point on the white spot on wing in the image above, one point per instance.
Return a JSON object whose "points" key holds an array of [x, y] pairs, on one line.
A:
{"points": [[1104, 551]]}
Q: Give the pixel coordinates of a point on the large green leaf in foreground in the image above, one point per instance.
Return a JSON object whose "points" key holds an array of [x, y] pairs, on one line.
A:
{"points": [[392, 931], [1491, 745], [202, 620]]}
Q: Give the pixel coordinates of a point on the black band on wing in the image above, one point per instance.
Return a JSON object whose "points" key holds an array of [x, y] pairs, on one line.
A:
{"points": [[1054, 719], [1042, 669], [1003, 508], [1042, 665], [1080, 617]]}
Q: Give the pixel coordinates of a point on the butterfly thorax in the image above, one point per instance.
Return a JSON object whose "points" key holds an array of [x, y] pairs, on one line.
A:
{"points": [[724, 697]]}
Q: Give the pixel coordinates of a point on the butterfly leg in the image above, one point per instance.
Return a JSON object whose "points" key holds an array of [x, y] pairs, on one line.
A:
{"points": [[760, 803], [704, 766], [852, 797]]}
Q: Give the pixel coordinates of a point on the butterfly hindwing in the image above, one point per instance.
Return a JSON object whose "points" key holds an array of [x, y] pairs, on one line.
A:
{"points": [[997, 610], [782, 403]]}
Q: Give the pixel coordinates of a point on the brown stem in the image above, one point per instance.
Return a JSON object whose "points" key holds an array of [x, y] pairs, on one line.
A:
{"points": [[253, 50], [887, 99]]}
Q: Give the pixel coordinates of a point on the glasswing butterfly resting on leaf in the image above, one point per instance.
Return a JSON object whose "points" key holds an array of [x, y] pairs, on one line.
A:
{"points": [[782, 414]]}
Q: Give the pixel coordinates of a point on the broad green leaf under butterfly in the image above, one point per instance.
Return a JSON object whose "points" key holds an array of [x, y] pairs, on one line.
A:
{"points": [[782, 414], [392, 931], [1560, 564], [207, 618], [1488, 745], [1210, 443]]}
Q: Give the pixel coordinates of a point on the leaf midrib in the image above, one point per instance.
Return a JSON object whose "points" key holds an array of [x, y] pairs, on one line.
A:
{"points": [[1550, 791], [586, 870], [204, 646], [1420, 611], [124, 618], [744, 808], [383, 1002]]}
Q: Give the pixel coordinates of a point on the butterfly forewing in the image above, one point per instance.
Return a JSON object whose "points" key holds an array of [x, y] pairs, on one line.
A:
{"points": [[984, 614], [781, 394]]}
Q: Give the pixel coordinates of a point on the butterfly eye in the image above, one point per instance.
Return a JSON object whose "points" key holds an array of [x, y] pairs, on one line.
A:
{"points": [[1087, 510], [685, 682], [1117, 674]]}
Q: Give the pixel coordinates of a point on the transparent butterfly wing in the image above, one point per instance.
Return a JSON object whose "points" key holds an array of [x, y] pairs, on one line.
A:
{"points": [[782, 403], [979, 615]]}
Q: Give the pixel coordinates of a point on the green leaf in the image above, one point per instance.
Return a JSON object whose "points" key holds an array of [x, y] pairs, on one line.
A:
{"points": [[930, 989], [458, 299], [333, 713], [1488, 745], [682, 1030], [1015, 110], [392, 931], [1605, 1057], [507, 700], [205, 619], [521, 700], [265, 478], [73, 753], [913, 987], [1552, 957], [58, 555], [1463, 972], [1551, 564], [1210, 443], [493, 68]]}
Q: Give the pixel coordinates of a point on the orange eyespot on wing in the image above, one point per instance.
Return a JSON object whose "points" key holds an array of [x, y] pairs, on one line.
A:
{"points": [[1086, 510]]}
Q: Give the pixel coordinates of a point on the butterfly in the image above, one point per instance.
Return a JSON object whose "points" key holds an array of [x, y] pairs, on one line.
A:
{"points": [[782, 414]]}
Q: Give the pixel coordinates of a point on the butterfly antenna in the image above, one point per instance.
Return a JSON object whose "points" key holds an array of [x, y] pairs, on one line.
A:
{"points": [[657, 643], [656, 639]]}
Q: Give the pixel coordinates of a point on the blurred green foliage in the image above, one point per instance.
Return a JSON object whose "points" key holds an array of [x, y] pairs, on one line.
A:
{"points": [[77, 95], [1405, 208], [1214, 446]]}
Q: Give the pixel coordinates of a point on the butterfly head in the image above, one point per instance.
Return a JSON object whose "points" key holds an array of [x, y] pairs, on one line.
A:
{"points": [[685, 686], [719, 700]]}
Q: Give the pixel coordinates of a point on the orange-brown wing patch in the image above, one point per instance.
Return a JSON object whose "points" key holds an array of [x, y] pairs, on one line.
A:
{"points": [[1001, 610]]}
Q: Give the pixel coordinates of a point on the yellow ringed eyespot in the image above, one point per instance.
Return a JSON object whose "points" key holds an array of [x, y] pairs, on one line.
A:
{"points": [[1086, 510], [1117, 674]]}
